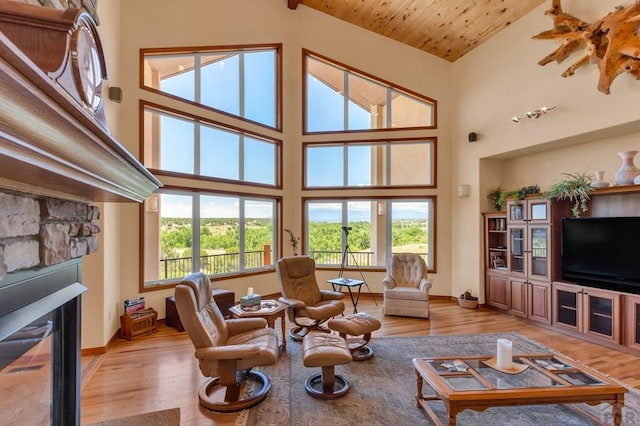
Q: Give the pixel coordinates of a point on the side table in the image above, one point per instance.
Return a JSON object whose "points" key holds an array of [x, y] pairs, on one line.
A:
{"points": [[338, 283], [269, 310]]}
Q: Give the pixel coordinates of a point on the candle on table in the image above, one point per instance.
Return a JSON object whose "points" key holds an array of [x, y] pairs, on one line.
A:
{"points": [[505, 353]]}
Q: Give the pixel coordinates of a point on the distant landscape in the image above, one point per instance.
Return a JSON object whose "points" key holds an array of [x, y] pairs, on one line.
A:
{"points": [[220, 236]]}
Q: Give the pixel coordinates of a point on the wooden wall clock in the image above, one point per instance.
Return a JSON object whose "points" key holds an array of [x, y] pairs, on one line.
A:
{"points": [[65, 45]]}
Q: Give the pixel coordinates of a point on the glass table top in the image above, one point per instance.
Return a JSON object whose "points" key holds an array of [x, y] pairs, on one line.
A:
{"points": [[471, 374]]}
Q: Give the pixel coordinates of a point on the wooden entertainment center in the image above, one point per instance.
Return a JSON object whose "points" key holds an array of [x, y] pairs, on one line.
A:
{"points": [[523, 269]]}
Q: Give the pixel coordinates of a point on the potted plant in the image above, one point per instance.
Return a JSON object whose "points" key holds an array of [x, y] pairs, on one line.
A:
{"points": [[494, 198], [575, 188], [502, 196]]}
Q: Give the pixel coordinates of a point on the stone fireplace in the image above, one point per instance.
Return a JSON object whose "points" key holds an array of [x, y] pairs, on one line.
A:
{"points": [[36, 232], [57, 158]]}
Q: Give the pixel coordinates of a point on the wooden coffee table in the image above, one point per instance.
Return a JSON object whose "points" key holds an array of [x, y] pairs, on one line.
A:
{"points": [[466, 382], [269, 310]]}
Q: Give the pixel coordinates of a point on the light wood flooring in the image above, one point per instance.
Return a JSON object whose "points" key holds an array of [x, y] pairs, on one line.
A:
{"points": [[159, 371]]}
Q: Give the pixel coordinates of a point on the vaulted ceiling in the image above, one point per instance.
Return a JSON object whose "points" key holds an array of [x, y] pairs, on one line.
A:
{"points": [[446, 28]]}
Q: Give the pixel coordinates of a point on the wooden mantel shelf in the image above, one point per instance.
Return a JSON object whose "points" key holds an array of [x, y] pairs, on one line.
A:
{"points": [[50, 146]]}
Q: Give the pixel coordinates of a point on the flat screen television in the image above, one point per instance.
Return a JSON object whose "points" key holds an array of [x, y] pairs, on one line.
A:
{"points": [[602, 252]]}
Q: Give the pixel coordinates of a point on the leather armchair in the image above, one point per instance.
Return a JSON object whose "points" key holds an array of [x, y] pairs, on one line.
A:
{"points": [[308, 306], [406, 286], [226, 350]]}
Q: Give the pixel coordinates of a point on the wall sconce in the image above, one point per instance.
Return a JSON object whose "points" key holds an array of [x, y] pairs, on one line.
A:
{"points": [[537, 113], [151, 204], [463, 191]]}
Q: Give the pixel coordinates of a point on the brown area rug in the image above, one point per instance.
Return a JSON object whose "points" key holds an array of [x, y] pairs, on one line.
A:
{"points": [[169, 417], [383, 389]]}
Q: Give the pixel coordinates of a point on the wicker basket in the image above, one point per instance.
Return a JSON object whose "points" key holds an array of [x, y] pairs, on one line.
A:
{"points": [[468, 301]]}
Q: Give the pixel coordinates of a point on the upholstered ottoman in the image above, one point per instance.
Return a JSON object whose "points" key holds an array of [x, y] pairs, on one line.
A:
{"points": [[360, 324], [326, 351]]}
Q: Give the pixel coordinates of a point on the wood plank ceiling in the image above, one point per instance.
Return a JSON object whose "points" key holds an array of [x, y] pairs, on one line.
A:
{"points": [[446, 28]]}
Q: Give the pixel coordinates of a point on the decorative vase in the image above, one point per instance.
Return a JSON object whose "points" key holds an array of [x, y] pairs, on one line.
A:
{"points": [[627, 171], [599, 181]]}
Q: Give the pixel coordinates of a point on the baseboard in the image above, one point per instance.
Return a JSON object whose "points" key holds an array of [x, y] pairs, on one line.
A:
{"points": [[100, 350]]}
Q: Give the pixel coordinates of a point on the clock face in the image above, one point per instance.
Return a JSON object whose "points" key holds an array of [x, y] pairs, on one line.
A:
{"points": [[87, 70]]}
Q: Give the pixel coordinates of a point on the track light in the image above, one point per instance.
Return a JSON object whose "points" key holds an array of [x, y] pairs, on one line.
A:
{"points": [[537, 113]]}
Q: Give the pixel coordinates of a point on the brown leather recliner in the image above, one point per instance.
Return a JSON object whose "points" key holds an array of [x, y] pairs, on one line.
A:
{"points": [[406, 286], [226, 350], [308, 306]]}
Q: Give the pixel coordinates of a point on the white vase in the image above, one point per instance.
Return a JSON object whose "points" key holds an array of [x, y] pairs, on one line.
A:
{"points": [[599, 181], [627, 171]]}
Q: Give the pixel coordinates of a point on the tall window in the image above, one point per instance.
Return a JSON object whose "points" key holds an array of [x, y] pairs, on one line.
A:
{"points": [[183, 144], [365, 232], [200, 139], [370, 164], [243, 82], [339, 98], [214, 233]]}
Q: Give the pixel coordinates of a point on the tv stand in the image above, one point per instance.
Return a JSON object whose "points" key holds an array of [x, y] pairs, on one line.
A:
{"points": [[588, 311], [609, 316]]}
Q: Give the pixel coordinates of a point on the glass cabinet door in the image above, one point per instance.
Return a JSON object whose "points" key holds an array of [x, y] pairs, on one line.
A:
{"points": [[516, 211], [517, 250], [538, 210], [539, 250]]}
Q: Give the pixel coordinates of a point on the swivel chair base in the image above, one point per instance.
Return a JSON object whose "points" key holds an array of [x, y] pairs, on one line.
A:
{"points": [[215, 397], [327, 385]]}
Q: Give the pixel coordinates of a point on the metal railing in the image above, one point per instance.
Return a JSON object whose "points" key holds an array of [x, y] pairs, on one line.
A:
{"points": [[177, 267], [539, 252], [362, 258], [323, 257]]}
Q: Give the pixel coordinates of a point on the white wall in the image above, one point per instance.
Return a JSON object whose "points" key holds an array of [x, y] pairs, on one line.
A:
{"points": [[501, 79], [100, 271]]}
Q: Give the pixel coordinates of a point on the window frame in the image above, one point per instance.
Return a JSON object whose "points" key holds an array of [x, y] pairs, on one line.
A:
{"points": [[161, 109], [159, 284], [359, 73], [204, 50], [387, 143], [432, 236]]}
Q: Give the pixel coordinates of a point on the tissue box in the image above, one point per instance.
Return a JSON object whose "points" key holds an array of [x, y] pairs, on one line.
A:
{"points": [[250, 302]]}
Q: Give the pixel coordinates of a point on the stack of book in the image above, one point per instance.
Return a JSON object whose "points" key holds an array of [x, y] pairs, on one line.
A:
{"points": [[133, 305]]}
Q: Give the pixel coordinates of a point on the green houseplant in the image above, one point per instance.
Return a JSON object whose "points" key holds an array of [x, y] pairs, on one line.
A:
{"points": [[575, 188], [498, 197], [493, 195]]}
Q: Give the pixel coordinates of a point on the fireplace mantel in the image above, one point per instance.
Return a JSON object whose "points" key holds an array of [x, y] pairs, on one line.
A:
{"points": [[50, 146]]}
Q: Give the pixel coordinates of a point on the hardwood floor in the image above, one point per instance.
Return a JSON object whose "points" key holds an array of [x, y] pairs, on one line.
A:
{"points": [[159, 371]]}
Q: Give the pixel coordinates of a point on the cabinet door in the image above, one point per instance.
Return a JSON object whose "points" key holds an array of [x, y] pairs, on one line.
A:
{"points": [[518, 297], [632, 321], [534, 210], [517, 250], [601, 314], [516, 211], [539, 301], [538, 251], [567, 303], [538, 211], [497, 294]]}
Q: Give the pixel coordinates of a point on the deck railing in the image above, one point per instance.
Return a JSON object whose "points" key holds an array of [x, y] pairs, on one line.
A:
{"points": [[178, 267]]}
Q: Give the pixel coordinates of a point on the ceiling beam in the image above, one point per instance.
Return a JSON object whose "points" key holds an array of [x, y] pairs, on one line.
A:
{"points": [[293, 3]]}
